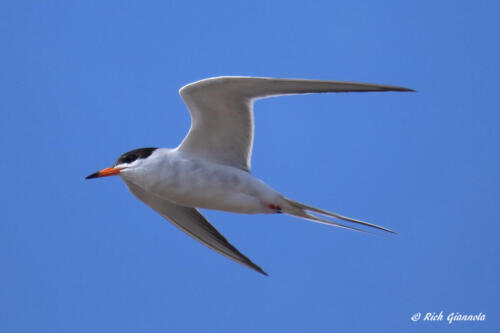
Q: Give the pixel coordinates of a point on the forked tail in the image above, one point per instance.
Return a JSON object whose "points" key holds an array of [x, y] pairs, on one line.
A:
{"points": [[303, 211]]}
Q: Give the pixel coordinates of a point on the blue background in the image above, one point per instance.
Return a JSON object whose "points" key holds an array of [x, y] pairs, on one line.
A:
{"points": [[82, 82]]}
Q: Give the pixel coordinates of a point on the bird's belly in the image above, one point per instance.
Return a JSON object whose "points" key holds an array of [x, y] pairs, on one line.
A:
{"points": [[224, 201], [210, 186]]}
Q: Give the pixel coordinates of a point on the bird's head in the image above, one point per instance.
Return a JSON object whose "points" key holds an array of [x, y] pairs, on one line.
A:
{"points": [[129, 160]]}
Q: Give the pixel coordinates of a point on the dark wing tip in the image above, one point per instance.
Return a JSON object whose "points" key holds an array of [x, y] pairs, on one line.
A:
{"points": [[408, 90], [246, 261], [258, 269], [403, 89]]}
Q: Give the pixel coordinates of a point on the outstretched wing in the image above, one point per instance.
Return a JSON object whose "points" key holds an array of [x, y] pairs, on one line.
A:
{"points": [[222, 117], [191, 221]]}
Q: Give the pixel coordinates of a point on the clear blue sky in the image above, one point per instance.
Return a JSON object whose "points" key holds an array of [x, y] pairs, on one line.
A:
{"points": [[82, 82]]}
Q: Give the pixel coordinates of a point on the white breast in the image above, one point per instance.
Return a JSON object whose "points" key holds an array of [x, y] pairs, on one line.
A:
{"points": [[191, 181]]}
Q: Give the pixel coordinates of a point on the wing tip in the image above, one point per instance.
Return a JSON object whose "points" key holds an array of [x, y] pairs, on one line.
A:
{"points": [[407, 89], [256, 268], [398, 89]]}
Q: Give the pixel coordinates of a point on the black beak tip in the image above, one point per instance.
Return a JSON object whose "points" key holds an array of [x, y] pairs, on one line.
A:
{"points": [[94, 175]]}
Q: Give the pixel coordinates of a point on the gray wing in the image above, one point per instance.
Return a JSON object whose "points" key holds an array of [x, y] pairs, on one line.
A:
{"points": [[191, 221], [222, 117]]}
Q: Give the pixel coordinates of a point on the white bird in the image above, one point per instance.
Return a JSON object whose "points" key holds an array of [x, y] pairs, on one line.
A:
{"points": [[211, 167]]}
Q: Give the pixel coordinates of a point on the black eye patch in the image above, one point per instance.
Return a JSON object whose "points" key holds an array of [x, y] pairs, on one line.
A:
{"points": [[130, 158], [133, 155]]}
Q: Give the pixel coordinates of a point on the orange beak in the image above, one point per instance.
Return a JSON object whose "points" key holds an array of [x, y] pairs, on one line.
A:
{"points": [[105, 172]]}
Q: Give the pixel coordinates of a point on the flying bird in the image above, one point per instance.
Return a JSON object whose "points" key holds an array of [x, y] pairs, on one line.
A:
{"points": [[211, 167]]}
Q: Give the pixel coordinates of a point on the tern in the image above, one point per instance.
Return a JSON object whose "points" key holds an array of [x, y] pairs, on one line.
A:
{"points": [[210, 169]]}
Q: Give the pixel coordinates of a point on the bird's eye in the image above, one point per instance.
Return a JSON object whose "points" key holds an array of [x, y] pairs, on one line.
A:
{"points": [[130, 158]]}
